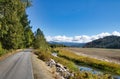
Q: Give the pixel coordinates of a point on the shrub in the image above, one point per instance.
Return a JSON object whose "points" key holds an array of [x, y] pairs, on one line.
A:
{"points": [[45, 56], [2, 51]]}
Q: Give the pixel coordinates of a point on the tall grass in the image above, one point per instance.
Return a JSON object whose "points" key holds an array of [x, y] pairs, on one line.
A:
{"points": [[81, 60]]}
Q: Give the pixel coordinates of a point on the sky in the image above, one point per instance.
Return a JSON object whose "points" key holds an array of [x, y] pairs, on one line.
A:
{"points": [[75, 20]]}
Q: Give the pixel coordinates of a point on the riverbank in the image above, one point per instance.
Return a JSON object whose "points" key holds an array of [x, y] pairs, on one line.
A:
{"points": [[45, 56], [108, 55], [108, 67]]}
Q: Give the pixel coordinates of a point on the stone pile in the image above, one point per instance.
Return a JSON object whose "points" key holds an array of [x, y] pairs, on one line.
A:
{"points": [[59, 68]]}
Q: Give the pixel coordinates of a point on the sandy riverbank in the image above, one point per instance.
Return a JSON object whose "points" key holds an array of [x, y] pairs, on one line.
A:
{"points": [[109, 55]]}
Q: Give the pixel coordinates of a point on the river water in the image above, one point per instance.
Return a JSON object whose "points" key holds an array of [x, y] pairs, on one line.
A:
{"points": [[95, 71]]}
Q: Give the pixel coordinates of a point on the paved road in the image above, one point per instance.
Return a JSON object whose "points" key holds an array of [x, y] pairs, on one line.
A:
{"points": [[17, 66]]}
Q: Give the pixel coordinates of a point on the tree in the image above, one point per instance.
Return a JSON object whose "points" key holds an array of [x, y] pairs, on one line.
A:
{"points": [[29, 37], [39, 41], [28, 34], [13, 31]]}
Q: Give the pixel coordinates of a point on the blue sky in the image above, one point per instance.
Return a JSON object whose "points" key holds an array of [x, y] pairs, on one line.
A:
{"points": [[75, 17]]}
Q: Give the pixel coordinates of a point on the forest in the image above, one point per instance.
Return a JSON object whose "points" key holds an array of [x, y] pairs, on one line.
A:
{"points": [[15, 29]]}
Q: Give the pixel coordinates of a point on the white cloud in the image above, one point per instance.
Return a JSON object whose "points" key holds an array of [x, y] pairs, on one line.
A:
{"points": [[59, 38], [116, 33], [80, 39]]}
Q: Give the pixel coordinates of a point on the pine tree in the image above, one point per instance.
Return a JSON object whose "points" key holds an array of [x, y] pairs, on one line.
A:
{"points": [[13, 31], [40, 41], [28, 34]]}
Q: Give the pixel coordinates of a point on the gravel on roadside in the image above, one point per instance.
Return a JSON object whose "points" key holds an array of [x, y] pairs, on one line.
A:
{"points": [[41, 70]]}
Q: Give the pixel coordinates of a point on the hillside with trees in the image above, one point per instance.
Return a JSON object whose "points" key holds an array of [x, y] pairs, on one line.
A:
{"points": [[66, 44], [106, 42]]}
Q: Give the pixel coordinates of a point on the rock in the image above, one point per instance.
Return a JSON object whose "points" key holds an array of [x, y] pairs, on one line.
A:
{"points": [[51, 63], [59, 65], [62, 70]]}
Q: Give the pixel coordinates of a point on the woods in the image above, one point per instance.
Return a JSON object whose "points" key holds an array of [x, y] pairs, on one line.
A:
{"points": [[15, 29]]}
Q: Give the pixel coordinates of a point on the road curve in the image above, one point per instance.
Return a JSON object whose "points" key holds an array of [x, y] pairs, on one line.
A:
{"points": [[17, 66]]}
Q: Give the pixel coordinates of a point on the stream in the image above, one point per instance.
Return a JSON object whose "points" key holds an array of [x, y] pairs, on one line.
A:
{"points": [[95, 71]]}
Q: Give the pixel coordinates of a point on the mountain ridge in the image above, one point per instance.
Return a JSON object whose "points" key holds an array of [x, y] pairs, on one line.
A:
{"points": [[69, 44], [106, 42]]}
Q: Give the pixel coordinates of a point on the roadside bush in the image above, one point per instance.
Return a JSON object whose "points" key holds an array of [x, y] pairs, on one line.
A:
{"points": [[45, 56], [2, 51]]}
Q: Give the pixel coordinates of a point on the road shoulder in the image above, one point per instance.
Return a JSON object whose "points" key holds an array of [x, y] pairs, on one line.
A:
{"points": [[10, 53], [40, 69]]}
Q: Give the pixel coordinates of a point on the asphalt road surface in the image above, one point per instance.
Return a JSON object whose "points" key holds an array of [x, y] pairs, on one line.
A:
{"points": [[17, 66]]}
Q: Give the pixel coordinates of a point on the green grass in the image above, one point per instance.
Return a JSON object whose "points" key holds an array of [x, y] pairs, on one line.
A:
{"points": [[98, 64]]}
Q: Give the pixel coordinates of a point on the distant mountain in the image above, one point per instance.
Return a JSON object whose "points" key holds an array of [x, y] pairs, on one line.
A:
{"points": [[106, 42], [70, 44]]}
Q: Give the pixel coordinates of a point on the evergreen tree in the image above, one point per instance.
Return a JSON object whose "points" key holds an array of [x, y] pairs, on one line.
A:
{"points": [[14, 31], [28, 34], [39, 41], [29, 37]]}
